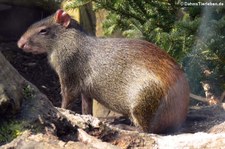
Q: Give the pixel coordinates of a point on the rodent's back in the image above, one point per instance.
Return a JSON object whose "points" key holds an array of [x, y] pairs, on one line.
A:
{"points": [[143, 54], [123, 67]]}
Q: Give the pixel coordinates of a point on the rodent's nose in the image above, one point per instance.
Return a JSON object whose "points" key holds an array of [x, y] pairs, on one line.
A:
{"points": [[21, 43]]}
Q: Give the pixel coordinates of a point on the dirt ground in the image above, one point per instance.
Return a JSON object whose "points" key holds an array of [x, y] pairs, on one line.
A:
{"points": [[36, 69]]}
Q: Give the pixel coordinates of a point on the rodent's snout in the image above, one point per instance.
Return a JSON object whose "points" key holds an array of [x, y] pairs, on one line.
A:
{"points": [[21, 43]]}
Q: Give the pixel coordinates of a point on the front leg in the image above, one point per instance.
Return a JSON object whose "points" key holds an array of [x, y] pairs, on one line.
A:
{"points": [[87, 104], [68, 97], [69, 93]]}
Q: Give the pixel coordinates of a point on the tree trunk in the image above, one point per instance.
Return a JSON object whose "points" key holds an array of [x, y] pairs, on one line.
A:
{"points": [[11, 87]]}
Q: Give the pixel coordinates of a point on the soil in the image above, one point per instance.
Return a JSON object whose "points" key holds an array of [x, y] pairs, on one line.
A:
{"points": [[36, 69]]}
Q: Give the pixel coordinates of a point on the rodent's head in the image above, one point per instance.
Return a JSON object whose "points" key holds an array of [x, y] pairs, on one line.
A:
{"points": [[40, 36]]}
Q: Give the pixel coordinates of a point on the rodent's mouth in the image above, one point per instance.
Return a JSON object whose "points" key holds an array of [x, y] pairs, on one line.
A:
{"points": [[27, 48], [33, 50], [24, 44]]}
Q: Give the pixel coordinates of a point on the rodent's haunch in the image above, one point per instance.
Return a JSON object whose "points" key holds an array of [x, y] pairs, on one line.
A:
{"points": [[132, 77]]}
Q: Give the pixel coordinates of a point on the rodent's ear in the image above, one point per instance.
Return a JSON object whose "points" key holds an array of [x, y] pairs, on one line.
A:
{"points": [[62, 18]]}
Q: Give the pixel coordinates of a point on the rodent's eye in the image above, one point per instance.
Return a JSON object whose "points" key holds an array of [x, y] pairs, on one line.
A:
{"points": [[43, 31]]}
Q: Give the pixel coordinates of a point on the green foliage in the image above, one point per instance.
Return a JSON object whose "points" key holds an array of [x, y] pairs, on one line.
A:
{"points": [[10, 130], [75, 3], [143, 17], [208, 51]]}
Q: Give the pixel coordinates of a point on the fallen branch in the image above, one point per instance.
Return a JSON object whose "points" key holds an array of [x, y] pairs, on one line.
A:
{"points": [[199, 98]]}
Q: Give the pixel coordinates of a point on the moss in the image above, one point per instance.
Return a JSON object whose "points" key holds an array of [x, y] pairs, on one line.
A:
{"points": [[10, 130], [28, 92]]}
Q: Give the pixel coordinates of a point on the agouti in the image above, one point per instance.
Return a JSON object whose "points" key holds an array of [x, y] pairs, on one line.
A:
{"points": [[129, 76]]}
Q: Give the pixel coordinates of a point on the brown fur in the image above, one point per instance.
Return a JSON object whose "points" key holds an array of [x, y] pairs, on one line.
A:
{"points": [[132, 77]]}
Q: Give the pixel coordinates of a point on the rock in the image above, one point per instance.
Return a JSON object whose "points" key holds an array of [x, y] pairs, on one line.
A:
{"points": [[219, 128], [197, 140], [40, 141]]}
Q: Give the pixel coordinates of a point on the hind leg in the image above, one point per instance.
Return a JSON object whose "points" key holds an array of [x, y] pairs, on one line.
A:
{"points": [[143, 115]]}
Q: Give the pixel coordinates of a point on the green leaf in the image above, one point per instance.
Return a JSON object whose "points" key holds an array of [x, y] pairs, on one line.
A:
{"points": [[72, 4]]}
